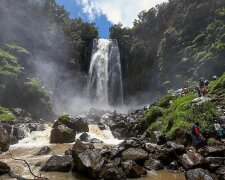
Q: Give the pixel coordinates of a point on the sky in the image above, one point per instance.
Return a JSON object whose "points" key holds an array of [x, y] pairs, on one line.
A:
{"points": [[107, 12]]}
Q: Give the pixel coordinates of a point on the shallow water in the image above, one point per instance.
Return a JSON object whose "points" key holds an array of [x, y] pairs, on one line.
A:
{"points": [[28, 147]]}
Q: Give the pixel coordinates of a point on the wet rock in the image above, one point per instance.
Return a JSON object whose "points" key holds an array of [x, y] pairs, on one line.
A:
{"points": [[220, 172], [62, 134], [58, 164], [36, 127], [112, 173], [213, 163], [120, 133], [95, 141], [213, 151], [153, 164], [166, 156], [150, 148], [84, 137], [174, 165], [88, 162], [199, 174], [135, 154], [20, 131], [101, 126], [135, 171], [4, 168], [132, 142], [68, 152], [80, 147], [155, 136], [13, 140], [77, 124], [179, 149], [4, 140], [44, 151], [191, 160]]}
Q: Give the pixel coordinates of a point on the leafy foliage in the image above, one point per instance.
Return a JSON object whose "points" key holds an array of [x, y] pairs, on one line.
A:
{"points": [[6, 115], [178, 41]]}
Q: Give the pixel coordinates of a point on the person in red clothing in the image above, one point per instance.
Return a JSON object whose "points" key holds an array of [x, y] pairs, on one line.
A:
{"points": [[196, 135]]}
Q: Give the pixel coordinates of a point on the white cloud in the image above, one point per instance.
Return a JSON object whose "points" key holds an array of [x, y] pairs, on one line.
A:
{"points": [[124, 11]]}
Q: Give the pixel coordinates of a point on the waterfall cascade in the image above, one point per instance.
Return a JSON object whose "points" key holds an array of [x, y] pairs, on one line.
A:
{"points": [[105, 78]]}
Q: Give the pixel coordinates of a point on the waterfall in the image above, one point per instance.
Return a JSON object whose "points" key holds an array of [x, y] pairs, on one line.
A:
{"points": [[105, 85]]}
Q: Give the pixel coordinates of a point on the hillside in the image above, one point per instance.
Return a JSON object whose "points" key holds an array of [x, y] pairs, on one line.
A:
{"points": [[171, 44]]}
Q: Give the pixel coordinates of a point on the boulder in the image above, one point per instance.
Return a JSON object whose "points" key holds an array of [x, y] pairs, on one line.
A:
{"points": [[180, 136], [62, 134], [36, 127], [213, 151], [112, 173], [199, 174], [191, 160], [132, 142], [4, 140], [152, 164], [88, 162], [84, 137], [80, 147], [4, 168], [44, 151], [166, 156], [58, 164], [132, 170], [77, 124], [155, 136], [101, 126], [135, 154], [220, 172], [20, 131]]}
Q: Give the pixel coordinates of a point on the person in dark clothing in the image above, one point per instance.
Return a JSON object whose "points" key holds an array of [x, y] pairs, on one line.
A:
{"points": [[196, 135], [202, 90]]}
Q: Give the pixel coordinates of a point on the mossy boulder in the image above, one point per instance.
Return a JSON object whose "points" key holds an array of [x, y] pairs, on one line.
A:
{"points": [[62, 134], [77, 124]]}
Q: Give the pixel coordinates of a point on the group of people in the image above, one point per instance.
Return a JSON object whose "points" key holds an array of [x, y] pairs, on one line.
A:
{"points": [[199, 139]]}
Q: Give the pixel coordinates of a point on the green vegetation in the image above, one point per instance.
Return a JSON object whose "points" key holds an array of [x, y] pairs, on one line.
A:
{"points": [[178, 41], [64, 118], [179, 114], [6, 115]]}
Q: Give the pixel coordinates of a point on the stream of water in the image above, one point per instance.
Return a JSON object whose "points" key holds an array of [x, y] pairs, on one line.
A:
{"points": [[28, 147]]}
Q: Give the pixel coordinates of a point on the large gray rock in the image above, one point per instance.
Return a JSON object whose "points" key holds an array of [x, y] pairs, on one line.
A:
{"points": [[4, 168], [58, 164], [77, 124], [44, 151], [62, 134], [87, 160], [135, 154], [199, 174], [213, 151], [132, 170], [112, 173], [4, 140], [152, 164], [191, 160]]}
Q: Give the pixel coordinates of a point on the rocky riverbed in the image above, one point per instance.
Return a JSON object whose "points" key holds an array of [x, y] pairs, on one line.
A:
{"points": [[104, 145]]}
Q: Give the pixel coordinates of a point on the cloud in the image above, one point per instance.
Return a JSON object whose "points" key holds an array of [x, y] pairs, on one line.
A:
{"points": [[124, 11]]}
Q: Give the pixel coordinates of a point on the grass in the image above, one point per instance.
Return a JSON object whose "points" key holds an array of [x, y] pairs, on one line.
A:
{"points": [[179, 114]]}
